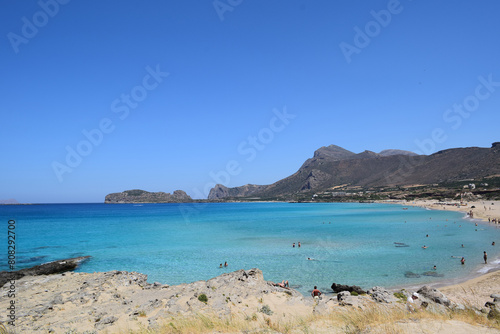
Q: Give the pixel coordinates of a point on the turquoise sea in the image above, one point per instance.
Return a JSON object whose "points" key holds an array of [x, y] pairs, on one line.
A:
{"points": [[350, 243]]}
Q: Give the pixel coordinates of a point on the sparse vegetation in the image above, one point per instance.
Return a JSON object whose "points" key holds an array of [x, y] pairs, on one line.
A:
{"points": [[376, 319], [203, 298], [400, 296], [266, 310]]}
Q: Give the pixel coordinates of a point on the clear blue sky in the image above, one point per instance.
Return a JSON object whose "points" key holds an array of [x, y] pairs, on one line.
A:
{"points": [[364, 75]]}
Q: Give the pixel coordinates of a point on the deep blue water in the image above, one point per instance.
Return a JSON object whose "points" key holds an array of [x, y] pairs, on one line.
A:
{"points": [[351, 243]]}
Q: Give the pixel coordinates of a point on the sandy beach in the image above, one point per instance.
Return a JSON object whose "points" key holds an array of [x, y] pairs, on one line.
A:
{"points": [[477, 290], [484, 210]]}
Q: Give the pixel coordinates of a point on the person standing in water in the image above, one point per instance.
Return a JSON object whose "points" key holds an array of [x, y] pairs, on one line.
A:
{"points": [[485, 257], [462, 260]]}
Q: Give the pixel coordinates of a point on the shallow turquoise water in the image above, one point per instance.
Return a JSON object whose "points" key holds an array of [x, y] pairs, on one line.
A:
{"points": [[351, 243]]}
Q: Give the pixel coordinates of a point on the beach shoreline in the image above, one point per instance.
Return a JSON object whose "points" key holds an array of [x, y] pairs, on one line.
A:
{"points": [[482, 210], [477, 287]]}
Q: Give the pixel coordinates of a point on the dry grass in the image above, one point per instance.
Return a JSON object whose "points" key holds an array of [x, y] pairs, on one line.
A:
{"points": [[374, 319]]}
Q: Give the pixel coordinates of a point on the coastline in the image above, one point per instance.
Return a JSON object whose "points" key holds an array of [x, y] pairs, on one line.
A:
{"points": [[473, 289], [482, 210], [118, 302]]}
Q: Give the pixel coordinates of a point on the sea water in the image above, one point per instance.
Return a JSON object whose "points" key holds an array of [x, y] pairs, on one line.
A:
{"points": [[348, 243]]}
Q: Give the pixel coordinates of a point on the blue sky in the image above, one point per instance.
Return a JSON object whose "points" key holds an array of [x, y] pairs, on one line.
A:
{"points": [[105, 96]]}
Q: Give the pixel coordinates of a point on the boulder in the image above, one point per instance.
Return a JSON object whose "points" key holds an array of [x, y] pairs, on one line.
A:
{"points": [[351, 288], [496, 297], [54, 267], [382, 295], [494, 314], [343, 295], [435, 295]]}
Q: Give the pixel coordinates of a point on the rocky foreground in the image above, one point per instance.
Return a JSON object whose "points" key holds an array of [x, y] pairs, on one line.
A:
{"points": [[119, 301]]}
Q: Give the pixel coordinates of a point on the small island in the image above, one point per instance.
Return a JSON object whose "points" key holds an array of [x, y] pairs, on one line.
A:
{"points": [[142, 196]]}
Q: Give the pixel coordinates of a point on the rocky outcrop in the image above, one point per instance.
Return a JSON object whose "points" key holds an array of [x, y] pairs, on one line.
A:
{"points": [[111, 301], [54, 267], [382, 295], [350, 288], [494, 312], [142, 196], [220, 191], [435, 295]]}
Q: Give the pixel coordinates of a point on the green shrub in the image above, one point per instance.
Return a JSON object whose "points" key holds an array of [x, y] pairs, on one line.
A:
{"points": [[354, 293], [203, 298], [400, 296], [266, 310]]}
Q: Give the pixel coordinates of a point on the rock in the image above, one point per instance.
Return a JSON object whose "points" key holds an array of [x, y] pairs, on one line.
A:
{"points": [[54, 267], [108, 320], [490, 305], [351, 288], [432, 274], [494, 314], [434, 295], [58, 299], [220, 191], [382, 295], [341, 296], [496, 297], [410, 274]]}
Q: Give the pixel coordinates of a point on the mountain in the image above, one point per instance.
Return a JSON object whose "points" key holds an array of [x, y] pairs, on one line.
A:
{"points": [[8, 201], [396, 152], [220, 191], [332, 167], [141, 196]]}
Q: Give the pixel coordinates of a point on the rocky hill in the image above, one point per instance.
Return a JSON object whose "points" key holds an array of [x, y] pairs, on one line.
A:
{"points": [[141, 196], [333, 166]]}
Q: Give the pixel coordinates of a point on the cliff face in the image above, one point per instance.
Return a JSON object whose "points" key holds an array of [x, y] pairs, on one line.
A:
{"points": [[220, 191], [141, 196]]}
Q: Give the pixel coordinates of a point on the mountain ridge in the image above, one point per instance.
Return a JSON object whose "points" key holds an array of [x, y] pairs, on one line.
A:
{"points": [[332, 166]]}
